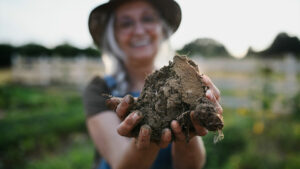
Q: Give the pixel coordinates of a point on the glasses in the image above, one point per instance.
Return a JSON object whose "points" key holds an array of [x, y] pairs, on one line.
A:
{"points": [[128, 24]]}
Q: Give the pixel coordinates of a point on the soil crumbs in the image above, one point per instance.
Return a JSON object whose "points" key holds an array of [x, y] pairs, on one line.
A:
{"points": [[171, 93]]}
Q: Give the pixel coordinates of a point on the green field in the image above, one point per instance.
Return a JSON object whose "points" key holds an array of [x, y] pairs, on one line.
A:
{"points": [[44, 128]]}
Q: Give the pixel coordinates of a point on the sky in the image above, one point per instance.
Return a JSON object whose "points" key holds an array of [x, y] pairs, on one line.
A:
{"points": [[238, 24]]}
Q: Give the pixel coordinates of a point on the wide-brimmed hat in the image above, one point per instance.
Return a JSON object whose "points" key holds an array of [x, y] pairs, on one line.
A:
{"points": [[98, 19]]}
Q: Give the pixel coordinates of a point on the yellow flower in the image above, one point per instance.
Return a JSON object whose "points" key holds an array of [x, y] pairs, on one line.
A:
{"points": [[258, 127], [242, 111]]}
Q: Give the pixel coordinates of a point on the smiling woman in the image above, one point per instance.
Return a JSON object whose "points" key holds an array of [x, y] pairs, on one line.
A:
{"points": [[131, 34], [138, 31]]}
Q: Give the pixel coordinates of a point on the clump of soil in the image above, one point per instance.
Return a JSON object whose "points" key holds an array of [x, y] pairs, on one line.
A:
{"points": [[171, 93]]}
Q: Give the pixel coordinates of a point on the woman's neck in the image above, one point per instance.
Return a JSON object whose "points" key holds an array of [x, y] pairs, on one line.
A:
{"points": [[137, 74]]}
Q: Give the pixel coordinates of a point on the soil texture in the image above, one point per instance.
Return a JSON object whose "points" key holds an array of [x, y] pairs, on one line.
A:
{"points": [[171, 93]]}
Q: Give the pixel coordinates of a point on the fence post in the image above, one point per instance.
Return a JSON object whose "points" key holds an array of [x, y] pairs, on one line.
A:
{"points": [[290, 68]]}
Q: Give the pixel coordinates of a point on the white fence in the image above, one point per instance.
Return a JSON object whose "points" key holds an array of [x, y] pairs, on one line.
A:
{"points": [[245, 78], [241, 76], [55, 70], [246, 74]]}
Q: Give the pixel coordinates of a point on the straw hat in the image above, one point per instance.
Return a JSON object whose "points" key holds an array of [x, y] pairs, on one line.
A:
{"points": [[168, 9]]}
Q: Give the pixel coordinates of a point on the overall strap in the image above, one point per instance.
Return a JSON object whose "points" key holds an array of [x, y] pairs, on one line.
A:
{"points": [[112, 83]]}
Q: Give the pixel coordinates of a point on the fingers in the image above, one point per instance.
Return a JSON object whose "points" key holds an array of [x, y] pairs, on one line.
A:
{"points": [[201, 131], [113, 102], [215, 91], [123, 107], [166, 138], [211, 97], [179, 136], [219, 108], [143, 140], [129, 123]]}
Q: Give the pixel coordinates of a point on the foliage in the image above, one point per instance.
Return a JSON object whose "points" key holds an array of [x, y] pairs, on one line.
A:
{"points": [[282, 44], [78, 156], [91, 52], [44, 128], [268, 95], [6, 52], [295, 105], [65, 50], [204, 47], [274, 145], [36, 121], [33, 50]]}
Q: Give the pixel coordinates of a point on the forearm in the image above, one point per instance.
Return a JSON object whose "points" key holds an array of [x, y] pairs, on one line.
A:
{"points": [[189, 155], [120, 152], [138, 158]]}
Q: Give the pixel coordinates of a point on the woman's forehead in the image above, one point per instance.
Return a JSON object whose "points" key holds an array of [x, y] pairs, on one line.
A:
{"points": [[134, 8]]}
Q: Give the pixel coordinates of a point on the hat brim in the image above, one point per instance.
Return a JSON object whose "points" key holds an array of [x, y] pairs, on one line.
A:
{"points": [[168, 9]]}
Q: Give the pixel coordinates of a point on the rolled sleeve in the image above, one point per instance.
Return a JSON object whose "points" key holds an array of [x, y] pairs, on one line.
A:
{"points": [[93, 99]]}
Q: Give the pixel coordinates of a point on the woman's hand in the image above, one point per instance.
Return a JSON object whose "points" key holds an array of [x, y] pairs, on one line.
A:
{"points": [[129, 121], [212, 94]]}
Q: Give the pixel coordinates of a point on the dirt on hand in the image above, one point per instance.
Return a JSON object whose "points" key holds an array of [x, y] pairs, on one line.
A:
{"points": [[171, 93]]}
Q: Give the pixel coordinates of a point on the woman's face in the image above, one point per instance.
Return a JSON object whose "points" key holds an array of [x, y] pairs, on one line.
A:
{"points": [[138, 30]]}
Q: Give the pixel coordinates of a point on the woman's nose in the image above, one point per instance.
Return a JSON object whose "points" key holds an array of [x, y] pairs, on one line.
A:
{"points": [[139, 28]]}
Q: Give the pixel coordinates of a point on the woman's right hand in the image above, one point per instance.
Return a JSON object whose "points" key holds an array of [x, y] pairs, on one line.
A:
{"points": [[129, 121]]}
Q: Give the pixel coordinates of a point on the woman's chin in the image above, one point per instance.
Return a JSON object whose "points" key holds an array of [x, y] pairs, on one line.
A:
{"points": [[143, 56]]}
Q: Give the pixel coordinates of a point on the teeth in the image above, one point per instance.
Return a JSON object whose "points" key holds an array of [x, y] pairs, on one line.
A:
{"points": [[140, 43]]}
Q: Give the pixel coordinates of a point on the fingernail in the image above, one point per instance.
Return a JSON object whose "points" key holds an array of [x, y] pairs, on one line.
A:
{"points": [[128, 99], [164, 131], [165, 135], [145, 131], [135, 116], [209, 94], [173, 122]]}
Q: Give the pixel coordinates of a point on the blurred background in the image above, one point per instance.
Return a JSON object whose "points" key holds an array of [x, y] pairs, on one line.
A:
{"points": [[250, 49]]}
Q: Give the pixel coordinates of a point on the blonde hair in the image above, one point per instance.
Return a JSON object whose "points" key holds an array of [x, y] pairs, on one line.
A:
{"points": [[113, 57]]}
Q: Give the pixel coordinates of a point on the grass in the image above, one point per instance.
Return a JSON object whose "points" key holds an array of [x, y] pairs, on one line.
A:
{"points": [[36, 121], [5, 75], [43, 128], [77, 155]]}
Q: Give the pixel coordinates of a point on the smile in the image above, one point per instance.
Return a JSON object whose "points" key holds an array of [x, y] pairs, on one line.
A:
{"points": [[140, 43]]}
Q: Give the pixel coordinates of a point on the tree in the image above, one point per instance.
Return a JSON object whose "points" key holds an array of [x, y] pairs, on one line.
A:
{"points": [[6, 52], [91, 52], [66, 50], [33, 50], [282, 44], [205, 47]]}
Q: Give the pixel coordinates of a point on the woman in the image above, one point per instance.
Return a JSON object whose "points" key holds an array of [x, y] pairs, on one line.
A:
{"points": [[131, 34]]}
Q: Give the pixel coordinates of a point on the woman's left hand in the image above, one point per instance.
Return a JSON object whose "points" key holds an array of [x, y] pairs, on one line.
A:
{"points": [[213, 94]]}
